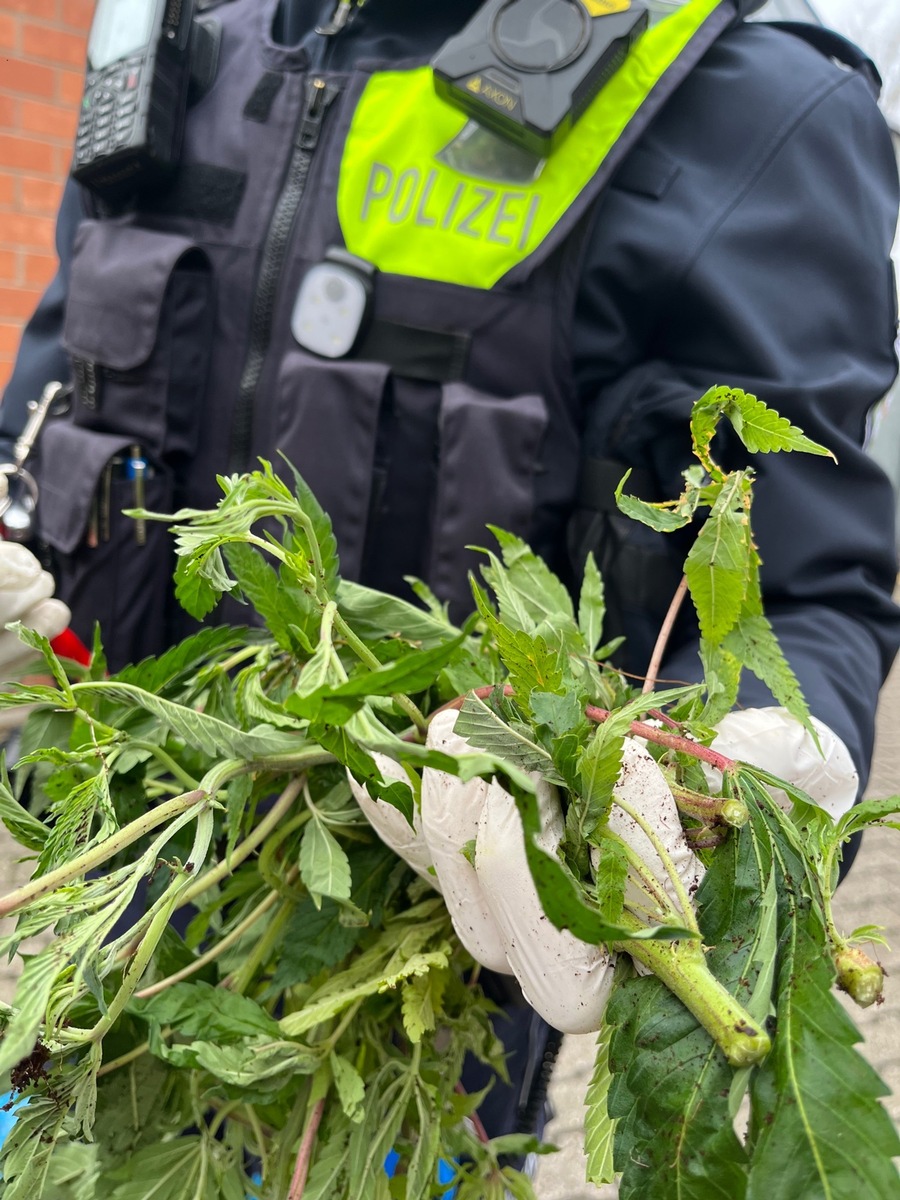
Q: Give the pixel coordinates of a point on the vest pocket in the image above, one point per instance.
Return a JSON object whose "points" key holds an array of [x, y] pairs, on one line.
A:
{"points": [[327, 427], [489, 454], [108, 567], [138, 328]]}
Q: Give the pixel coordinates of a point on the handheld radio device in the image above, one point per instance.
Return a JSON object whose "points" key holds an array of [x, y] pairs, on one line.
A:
{"points": [[135, 95], [527, 69]]}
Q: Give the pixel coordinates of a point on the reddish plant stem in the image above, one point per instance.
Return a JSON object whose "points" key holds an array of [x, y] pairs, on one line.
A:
{"points": [[304, 1154], [663, 636], [671, 741], [659, 715]]}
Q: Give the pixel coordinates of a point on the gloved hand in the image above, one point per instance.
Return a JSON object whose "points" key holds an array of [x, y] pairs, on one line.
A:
{"points": [[772, 739], [494, 903], [25, 595]]}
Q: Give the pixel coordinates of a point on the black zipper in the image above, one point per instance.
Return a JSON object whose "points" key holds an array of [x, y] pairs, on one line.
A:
{"points": [[319, 96]]}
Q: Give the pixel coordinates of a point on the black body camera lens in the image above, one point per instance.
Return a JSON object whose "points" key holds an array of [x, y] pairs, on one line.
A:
{"points": [[527, 69], [540, 35]]}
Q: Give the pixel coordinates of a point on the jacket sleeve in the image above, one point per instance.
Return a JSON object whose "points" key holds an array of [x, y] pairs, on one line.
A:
{"points": [[41, 357], [749, 245]]}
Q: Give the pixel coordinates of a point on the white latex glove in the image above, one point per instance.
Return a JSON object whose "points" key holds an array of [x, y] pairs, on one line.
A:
{"points": [[25, 595], [772, 739], [494, 904]]}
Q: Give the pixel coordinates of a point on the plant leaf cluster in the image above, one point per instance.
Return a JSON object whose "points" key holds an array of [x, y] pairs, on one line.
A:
{"points": [[242, 986]]}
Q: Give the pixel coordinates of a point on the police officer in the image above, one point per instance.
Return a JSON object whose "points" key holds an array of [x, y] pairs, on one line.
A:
{"points": [[721, 213]]}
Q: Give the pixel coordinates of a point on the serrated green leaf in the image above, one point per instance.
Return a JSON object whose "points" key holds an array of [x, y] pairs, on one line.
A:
{"points": [[73, 819], [591, 605], [27, 1150], [177, 1170], [486, 731], [208, 734], [41, 646], [718, 564], [255, 1064], [199, 1010], [181, 663], [197, 594], [598, 770], [753, 642], [531, 663], [762, 429], [421, 1003], [561, 714], [283, 607], [527, 590], [599, 1128], [371, 1141], [324, 866], [372, 615], [422, 1169], [350, 1088], [610, 876], [817, 1129], [238, 796], [322, 531], [328, 1002], [868, 812], [664, 518], [722, 673], [33, 990], [331, 1162], [27, 830]]}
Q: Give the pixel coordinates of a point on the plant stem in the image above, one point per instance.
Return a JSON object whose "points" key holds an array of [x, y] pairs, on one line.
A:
{"points": [[362, 651], [684, 900], [671, 741], [124, 1059], [99, 854], [166, 760], [665, 632], [212, 954], [260, 952], [269, 822], [682, 968], [258, 1133], [135, 970], [304, 1154]]}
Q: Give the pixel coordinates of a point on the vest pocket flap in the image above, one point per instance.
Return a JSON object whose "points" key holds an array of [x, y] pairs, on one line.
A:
{"points": [[490, 452], [72, 461], [119, 279]]}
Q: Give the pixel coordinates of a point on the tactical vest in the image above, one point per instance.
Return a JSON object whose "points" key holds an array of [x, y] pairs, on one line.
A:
{"points": [[460, 396]]}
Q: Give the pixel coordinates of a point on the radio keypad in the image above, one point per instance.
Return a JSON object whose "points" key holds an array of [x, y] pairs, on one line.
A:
{"points": [[108, 110]]}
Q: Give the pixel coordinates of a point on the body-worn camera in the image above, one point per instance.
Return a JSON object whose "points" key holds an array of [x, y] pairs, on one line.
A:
{"points": [[135, 95], [527, 69]]}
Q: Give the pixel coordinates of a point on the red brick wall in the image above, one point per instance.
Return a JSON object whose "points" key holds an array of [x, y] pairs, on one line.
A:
{"points": [[42, 45]]}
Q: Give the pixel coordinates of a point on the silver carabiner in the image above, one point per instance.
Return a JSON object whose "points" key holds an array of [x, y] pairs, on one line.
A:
{"points": [[14, 472]]}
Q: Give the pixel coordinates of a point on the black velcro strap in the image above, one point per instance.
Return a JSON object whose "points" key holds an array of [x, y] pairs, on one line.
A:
{"points": [[262, 97], [430, 354], [601, 476], [201, 190]]}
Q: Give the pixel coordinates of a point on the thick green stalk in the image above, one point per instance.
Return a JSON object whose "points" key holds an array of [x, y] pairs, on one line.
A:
{"points": [[98, 855], [681, 965]]}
